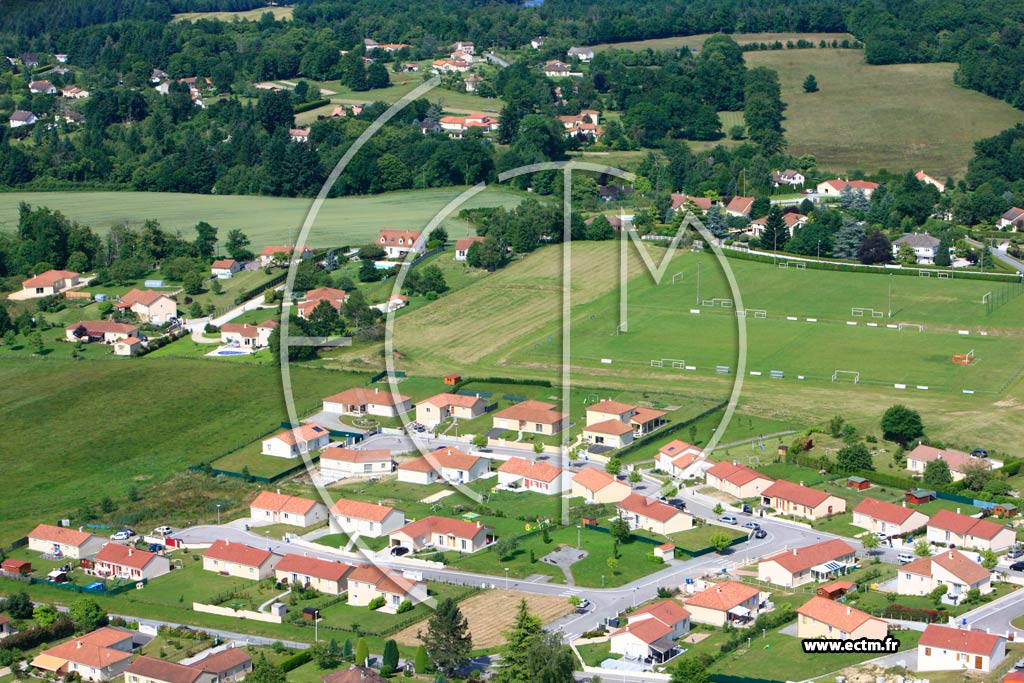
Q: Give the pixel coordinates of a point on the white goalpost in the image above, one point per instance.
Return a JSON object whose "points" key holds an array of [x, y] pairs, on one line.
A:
{"points": [[861, 312], [843, 375], [986, 298], [911, 326], [677, 277]]}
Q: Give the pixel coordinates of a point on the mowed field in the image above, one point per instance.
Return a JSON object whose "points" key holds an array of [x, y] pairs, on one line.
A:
{"points": [[266, 220], [79, 431], [491, 613], [902, 116], [696, 41], [247, 15]]}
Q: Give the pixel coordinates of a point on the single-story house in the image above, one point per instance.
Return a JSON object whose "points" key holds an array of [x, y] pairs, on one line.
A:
{"points": [[737, 480], [271, 507], [64, 542], [724, 602], [224, 268], [100, 655], [1013, 218], [275, 254], [333, 296], [611, 433], [42, 88], [584, 54], [155, 308], [788, 177], [950, 528], [950, 568], [801, 501], [20, 117], [597, 486], [958, 461], [398, 243], [701, 204], [740, 206], [554, 68], [431, 411], [116, 561], [924, 245], [441, 533], [355, 673], [100, 330], [928, 180], [651, 632], [797, 566], [49, 283], [462, 246], [129, 346], [533, 417], [312, 572], [888, 518], [240, 560], [647, 513], [942, 648], [338, 462], [246, 335], [823, 618], [154, 670], [835, 187], [360, 402], [681, 460], [444, 464], [522, 474], [292, 443], [226, 666], [368, 582], [366, 519]]}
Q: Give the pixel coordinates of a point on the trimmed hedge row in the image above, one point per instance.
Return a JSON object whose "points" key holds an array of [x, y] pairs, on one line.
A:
{"points": [[38, 635], [644, 441], [296, 660], [306, 106]]}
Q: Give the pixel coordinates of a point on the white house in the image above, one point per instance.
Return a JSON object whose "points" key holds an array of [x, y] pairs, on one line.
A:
{"points": [[434, 410], [224, 268], [788, 177], [888, 518], [360, 402], [125, 562], [445, 464], [239, 560], [292, 443], [366, 519], [441, 533], [521, 474], [950, 528], [271, 507], [797, 566], [462, 247], [724, 602], [924, 245], [950, 568], [584, 54], [958, 461], [338, 462], [246, 335], [681, 460], [398, 243], [651, 632], [311, 572], [63, 542], [942, 648], [646, 513], [21, 118]]}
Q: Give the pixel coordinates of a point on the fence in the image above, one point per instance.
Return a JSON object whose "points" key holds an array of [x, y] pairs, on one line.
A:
{"points": [[261, 480], [671, 429], [679, 551], [725, 678], [426, 255], [104, 590]]}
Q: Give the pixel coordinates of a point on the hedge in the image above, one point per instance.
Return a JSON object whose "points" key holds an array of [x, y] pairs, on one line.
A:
{"points": [[644, 441], [38, 635], [306, 106], [509, 380], [296, 660]]}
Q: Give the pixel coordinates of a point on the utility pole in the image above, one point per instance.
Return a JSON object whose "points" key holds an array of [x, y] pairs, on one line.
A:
{"points": [[698, 283], [890, 294]]}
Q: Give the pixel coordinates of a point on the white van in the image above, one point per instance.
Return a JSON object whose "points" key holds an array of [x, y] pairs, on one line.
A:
{"points": [[905, 558]]}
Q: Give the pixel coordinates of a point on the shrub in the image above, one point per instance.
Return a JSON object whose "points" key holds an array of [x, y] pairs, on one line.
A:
{"points": [[405, 606], [296, 660], [377, 603]]}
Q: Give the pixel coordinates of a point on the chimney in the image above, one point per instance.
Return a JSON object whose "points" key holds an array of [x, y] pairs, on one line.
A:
{"points": [[131, 551], [279, 492], [847, 610], [227, 541], [718, 589], [904, 503], [81, 529], [958, 511], [78, 645], [801, 483], [794, 551]]}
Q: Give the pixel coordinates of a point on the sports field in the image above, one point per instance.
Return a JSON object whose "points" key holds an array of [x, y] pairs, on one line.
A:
{"points": [[902, 116], [266, 220]]}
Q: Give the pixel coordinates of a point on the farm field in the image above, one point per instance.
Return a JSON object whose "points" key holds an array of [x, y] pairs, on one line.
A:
{"points": [[899, 117], [149, 419], [246, 15], [266, 220], [696, 41]]}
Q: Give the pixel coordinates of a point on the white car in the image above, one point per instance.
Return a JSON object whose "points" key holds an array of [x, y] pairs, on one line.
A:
{"points": [[164, 530], [121, 536]]}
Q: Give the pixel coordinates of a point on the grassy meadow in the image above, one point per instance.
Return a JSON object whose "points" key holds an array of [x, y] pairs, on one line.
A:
{"points": [[696, 41], [351, 220], [246, 15]]}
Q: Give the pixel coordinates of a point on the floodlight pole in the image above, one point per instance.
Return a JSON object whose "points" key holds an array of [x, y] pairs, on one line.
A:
{"points": [[698, 283], [890, 294]]}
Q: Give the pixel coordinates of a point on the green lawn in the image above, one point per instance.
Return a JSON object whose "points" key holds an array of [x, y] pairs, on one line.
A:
{"points": [[116, 426], [259, 465], [246, 15], [875, 601], [699, 538], [266, 220], [595, 653], [697, 41], [341, 540]]}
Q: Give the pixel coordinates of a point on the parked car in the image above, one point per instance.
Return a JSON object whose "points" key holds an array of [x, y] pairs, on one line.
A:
{"points": [[746, 508], [760, 533], [399, 550], [728, 519], [1014, 553], [164, 530], [904, 558], [155, 547], [677, 503], [882, 536], [121, 536], [751, 525], [979, 453], [1017, 566]]}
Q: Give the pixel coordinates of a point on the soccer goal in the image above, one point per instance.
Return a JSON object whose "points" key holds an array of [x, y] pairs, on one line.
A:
{"points": [[698, 245], [793, 264], [911, 326], [657, 364], [944, 276], [846, 375], [760, 313], [621, 327], [861, 312], [678, 277], [924, 273], [724, 303], [986, 298], [964, 358]]}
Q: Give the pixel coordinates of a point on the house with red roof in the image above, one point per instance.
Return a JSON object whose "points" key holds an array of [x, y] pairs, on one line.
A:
{"points": [[641, 420], [62, 542], [457, 126], [155, 308], [681, 460], [353, 517], [797, 566], [225, 268], [531, 417], [100, 655], [360, 402], [312, 572], [597, 486], [823, 618], [737, 480], [398, 243], [441, 533], [800, 501], [522, 474], [106, 331], [248, 336], [368, 582], [462, 246], [271, 507], [943, 648], [272, 255], [226, 666], [334, 298], [879, 516], [116, 561], [835, 187], [609, 433], [958, 461], [740, 206], [724, 602], [698, 205], [953, 529], [129, 346], [444, 464], [340, 462], [651, 632], [292, 443], [239, 560], [436, 409], [950, 568], [642, 512], [928, 180]]}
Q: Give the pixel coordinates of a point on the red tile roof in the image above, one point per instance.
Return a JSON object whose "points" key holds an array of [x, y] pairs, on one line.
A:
{"points": [[465, 244], [530, 469], [222, 661], [594, 479], [391, 238], [357, 456], [354, 674], [237, 553], [303, 433], [959, 640], [612, 427], [146, 297], [49, 278], [741, 205], [163, 670], [97, 328], [360, 396], [223, 263], [735, 474], [312, 566], [676, 447], [532, 411], [794, 493], [884, 511], [270, 500], [644, 415], [612, 407], [59, 534], [383, 581], [447, 526], [93, 649], [954, 562], [835, 614], [947, 520], [954, 458], [647, 630], [358, 509], [124, 555], [648, 507], [702, 203], [800, 559], [329, 293], [723, 596], [460, 400], [443, 457]]}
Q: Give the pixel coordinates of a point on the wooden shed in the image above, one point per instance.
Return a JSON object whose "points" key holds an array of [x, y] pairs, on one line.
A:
{"points": [[859, 483], [919, 496]]}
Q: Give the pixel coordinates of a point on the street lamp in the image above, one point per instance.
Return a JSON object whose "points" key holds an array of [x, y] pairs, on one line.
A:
{"points": [[506, 578], [578, 529], [218, 514], [819, 249], [316, 625]]}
